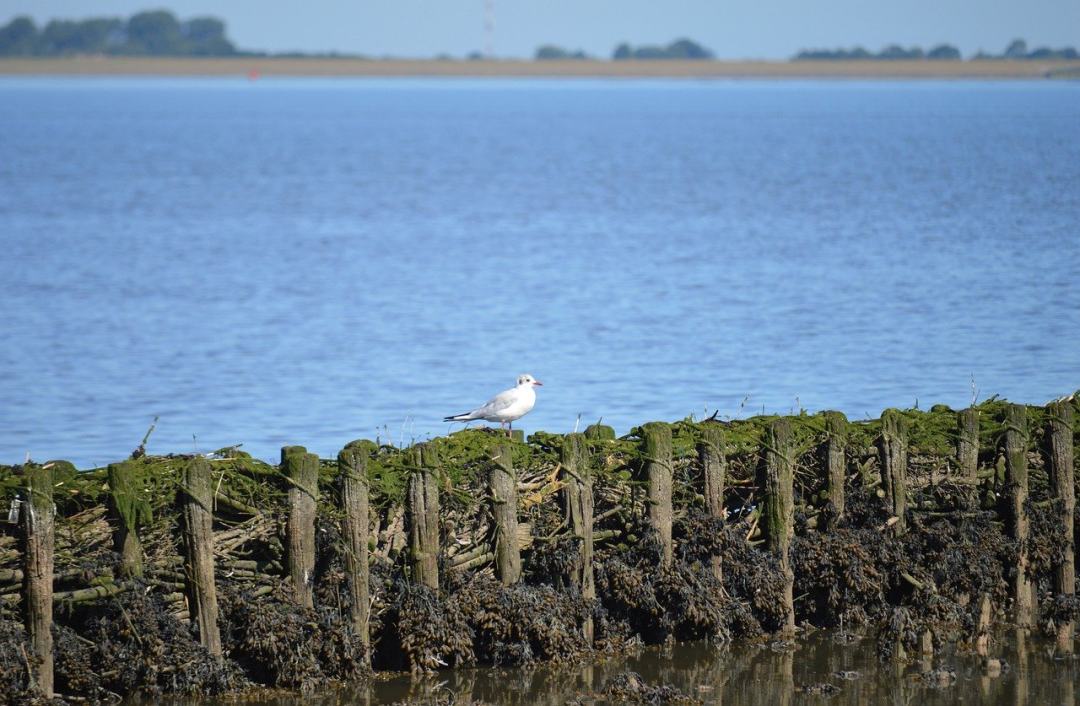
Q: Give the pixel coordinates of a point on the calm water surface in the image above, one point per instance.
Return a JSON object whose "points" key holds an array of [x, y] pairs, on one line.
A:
{"points": [[312, 261], [748, 675]]}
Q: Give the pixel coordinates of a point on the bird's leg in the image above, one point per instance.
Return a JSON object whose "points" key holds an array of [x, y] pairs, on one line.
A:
{"points": [[510, 431]]}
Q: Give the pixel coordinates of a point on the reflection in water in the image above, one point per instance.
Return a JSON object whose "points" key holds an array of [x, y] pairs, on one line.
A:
{"points": [[819, 669]]}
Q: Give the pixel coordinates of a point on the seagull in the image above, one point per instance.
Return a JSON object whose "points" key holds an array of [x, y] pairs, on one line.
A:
{"points": [[505, 407]]}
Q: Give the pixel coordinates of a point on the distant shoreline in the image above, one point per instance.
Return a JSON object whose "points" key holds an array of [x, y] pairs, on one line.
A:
{"points": [[346, 67]]}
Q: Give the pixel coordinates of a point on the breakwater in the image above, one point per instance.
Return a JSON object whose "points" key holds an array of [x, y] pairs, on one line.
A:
{"points": [[217, 573]]}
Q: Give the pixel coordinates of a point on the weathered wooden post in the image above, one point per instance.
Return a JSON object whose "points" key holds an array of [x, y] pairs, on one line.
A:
{"points": [[780, 507], [713, 466], [197, 503], [129, 510], [37, 517], [301, 470], [967, 445], [577, 500], [892, 449], [352, 472], [1016, 474], [599, 432], [836, 432], [423, 515], [926, 650], [982, 627], [1062, 476], [502, 484], [656, 451]]}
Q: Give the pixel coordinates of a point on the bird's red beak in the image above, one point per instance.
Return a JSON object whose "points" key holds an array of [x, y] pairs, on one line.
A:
{"points": [[538, 383]]}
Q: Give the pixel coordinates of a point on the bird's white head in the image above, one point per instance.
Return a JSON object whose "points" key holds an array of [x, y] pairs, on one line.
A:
{"points": [[528, 380]]}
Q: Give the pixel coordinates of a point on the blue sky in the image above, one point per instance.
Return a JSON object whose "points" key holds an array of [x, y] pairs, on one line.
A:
{"points": [[735, 29]]}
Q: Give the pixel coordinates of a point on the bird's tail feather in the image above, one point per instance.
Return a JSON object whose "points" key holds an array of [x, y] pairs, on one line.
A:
{"points": [[463, 417]]}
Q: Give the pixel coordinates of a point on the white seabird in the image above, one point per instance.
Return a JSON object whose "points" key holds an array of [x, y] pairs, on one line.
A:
{"points": [[506, 407]]}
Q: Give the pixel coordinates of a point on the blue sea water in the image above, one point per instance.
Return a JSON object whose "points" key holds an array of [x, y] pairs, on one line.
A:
{"points": [[311, 261]]}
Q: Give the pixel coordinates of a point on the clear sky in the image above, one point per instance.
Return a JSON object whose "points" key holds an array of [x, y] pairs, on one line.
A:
{"points": [[735, 29]]}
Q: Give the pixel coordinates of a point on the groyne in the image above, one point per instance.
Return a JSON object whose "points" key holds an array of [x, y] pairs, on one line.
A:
{"points": [[220, 573]]}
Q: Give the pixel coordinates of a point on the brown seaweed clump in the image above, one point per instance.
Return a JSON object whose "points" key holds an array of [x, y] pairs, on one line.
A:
{"points": [[481, 621], [281, 644], [426, 633], [523, 623], [753, 579], [629, 687], [132, 644], [15, 662], [685, 601], [844, 574]]}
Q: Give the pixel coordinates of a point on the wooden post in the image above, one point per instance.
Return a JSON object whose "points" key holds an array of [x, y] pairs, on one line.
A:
{"points": [[982, 627], [713, 466], [197, 499], [599, 432], [1016, 474], [578, 508], [301, 470], [836, 464], [967, 445], [37, 517], [502, 483], [423, 515], [1060, 435], [892, 449], [780, 507], [128, 510], [656, 451], [352, 471], [926, 650]]}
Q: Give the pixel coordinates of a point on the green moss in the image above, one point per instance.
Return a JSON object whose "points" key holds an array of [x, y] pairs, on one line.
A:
{"points": [[127, 495], [600, 432], [465, 454]]}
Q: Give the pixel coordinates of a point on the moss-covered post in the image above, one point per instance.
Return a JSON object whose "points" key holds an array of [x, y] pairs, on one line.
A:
{"points": [[710, 450], [37, 518], [656, 452], [836, 433], [352, 474], [599, 432], [196, 501], [502, 484], [128, 510], [1016, 474], [301, 471], [577, 501], [423, 515], [892, 450], [780, 507], [967, 445], [1062, 475]]}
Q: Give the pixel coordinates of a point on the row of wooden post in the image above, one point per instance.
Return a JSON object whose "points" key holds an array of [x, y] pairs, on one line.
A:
{"points": [[301, 471]]}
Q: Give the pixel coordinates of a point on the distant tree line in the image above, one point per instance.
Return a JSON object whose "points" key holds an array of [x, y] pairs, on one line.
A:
{"points": [[1016, 50], [943, 52], [156, 33], [679, 49], [550, 51]]}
